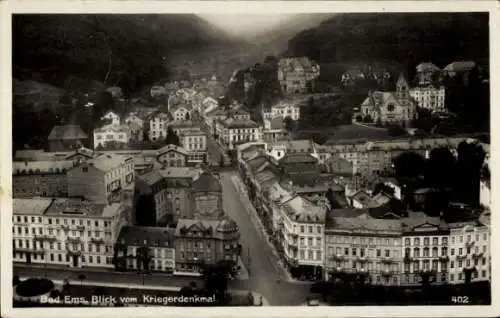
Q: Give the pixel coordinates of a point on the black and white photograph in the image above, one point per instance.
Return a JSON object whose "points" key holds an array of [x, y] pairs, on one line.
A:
{"points": [[307, 159]]}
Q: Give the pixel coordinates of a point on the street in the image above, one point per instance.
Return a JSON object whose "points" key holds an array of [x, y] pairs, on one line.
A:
{"points": [[264, 271]]}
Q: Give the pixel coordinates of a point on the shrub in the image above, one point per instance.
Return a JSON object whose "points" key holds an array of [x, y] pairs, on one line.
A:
{"points": [[34, 287]]}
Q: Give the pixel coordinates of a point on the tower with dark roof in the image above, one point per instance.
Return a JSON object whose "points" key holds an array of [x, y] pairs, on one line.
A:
{"points": [[207, 197]]}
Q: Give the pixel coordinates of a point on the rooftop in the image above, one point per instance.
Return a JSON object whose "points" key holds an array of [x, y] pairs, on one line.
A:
{"points": [[181, 124], [78, 207], [300, 209], [171, 147], [239, 123], [419, 221], [113, 128], [37, 167], [153, 236], [31, 206], [67, 132], [364, 223], [460, 66], [107, 162], [181, 172], [210, 228]]}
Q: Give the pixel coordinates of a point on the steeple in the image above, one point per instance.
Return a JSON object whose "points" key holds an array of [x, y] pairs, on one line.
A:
{"points": [[402, 86]]}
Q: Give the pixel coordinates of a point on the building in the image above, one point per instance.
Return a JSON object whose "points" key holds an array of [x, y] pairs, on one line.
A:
{"points": [[357, 244], [40, 178], [233, 132], [181, 111], [300, 229], [297, 74], [68, 137], [274, 129], [469, 250], [390, 107], [429, 97], [427, 73], [284, 108], [338, 165], [112, 136], [115, 91], [194, 141], [135, 123], [158, 125], [238, 114], [163, 196], [207, 197], [459, 68], [157, 91], [66, 231], [143, 248], [425, 248], [111, 117], [104, 179], [172, 156], [178, 126], [363, 200], [205, 242]]}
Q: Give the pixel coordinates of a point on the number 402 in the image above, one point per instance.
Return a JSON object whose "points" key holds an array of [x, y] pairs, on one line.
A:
{"points": [[460, 299]]}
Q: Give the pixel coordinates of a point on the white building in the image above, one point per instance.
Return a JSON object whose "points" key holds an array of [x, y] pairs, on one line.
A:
{"points": [[286, 108], [194, 141], [233, 131], [116, 136], [429, 97], [66, 231], [136, 125], [113, 117], [181, 111], [158, 126]]}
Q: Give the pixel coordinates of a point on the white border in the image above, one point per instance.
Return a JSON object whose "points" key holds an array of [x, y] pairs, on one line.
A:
{"points": [[231, 7]]}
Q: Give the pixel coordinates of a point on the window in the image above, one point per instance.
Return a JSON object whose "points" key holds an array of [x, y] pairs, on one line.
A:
{"points": [[483, 273], [318, 242], [362, 252], [460, 264], [416, 266], [444, 251], [310, 228], [91, 259], [426, 241], [309, 241], [407, 242], [319, 229], [416, 252], [445, 240], [318, 255], [301, 229], [460, 251], [354, 251], [461, 238], [435, 241], [452, 252], [346, 251], [302, 241], [85, 169], [459, 276], [387, 253], [379, 253], [416, 241]]}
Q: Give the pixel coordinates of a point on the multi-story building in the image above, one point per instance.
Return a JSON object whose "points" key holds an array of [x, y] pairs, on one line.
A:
{"points": [[168, 193], [145, 248], [469, 250], [300, 231], [112, 136], [205, 242], [238, 114], [284, 108], [425, 248], [112, 117], [66, 231], [429, 97], [274, 129], [158, 125], [297, 74], [358, 244], [104, 179], [135, 122], [233, 132], [179, 126], [172, 156], [181, 111], [194, 141], [157, 90], [427, 73], [390, 107], [67, 137], [40, 178], [207, 197]]}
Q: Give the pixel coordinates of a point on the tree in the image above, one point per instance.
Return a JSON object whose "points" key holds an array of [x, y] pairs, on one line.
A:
{"points": [[367, 119], [469, 163], [396, 130], [172, 138], [15, 280], [82, 277], [221, 161], [440, 169], [409, 165]]}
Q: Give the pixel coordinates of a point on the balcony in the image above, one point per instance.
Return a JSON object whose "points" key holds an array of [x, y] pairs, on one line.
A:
{"points": [[469, 244], [408, 259], [73, 239], [65, 228], [387, 272], [97, 240], [362, 259], [461, 256], [387, 260], [477, 254], [337, 257], [30, 250], [444, 258], [74, 253], [80, 228]]}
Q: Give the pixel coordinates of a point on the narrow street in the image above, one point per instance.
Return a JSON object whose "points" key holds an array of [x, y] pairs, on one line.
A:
{"points": [[264, 270]]}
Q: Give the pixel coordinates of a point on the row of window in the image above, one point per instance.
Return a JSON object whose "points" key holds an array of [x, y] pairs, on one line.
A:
{"points": [[80, 222], [362, 252], [310, 242], [310, 255], [60, 246], [362, 240]]}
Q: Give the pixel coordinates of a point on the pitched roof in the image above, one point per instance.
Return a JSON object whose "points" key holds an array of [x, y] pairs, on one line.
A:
{"points": [[364, 223], [171, 147], [232, 123], [460, 66], [67, 132], [300, 209], [207, 182], [153, 236], [59, 166], [79, 207], [427, 67], [31, 206], [107, 162]]}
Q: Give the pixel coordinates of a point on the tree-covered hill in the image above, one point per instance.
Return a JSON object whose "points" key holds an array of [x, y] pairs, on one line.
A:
{"points": [[124, 50]]}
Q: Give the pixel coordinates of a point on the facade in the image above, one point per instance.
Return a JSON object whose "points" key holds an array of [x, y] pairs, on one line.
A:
{"points": [[194, 141], [172, 156], [136, 126], [112, 117], [425, 248], [104, 179], [179, 126], [232, 132], [205, 242], [390, 107], [429, 97], [286, 108], [274, 129], [112, 136], [427, 73], [157, 90], [158, 126], [297, 74], [207, 197], [358, 244], [40, 178], [68, 137], [66, 231], [300, 226], [143, 248], [181, 111]]}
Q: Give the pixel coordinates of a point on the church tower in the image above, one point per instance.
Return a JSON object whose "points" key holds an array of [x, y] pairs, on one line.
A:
{"points": [[402, 88]]}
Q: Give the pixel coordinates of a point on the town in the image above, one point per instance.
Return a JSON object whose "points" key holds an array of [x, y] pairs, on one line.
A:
{"points": [[188, 190]]}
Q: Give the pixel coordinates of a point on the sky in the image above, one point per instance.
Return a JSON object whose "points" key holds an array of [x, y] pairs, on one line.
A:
{"points": [[245, 25]]}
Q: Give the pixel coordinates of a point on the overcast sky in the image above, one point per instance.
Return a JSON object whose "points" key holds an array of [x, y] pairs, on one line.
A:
{"points": [[246, 25]]}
